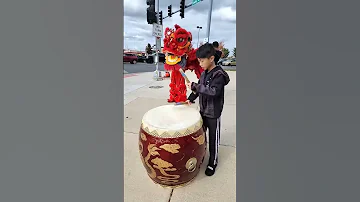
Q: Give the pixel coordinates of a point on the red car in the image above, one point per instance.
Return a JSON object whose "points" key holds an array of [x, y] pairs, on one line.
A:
{"points": [[130, 58]]}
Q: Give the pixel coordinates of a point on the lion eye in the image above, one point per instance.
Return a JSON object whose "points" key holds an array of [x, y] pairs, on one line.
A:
{"points": [[180, 39]]}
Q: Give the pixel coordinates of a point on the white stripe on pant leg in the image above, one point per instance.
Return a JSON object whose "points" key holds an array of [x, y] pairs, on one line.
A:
{"points": [[216, 132], [216, 141], [218, 138]]}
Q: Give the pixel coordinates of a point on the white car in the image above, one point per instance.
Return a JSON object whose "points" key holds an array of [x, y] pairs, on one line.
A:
{"points": [[221, 61], [231, 62]]}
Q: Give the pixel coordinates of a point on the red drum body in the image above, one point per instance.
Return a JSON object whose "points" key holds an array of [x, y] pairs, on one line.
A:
{"points": [[172, 144]]}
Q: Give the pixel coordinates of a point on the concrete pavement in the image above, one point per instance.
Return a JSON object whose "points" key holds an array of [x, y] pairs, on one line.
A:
{"points": [[139, 98]]}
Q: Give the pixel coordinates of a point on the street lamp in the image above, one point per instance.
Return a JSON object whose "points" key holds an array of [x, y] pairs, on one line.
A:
{"points": [[198, 27]]}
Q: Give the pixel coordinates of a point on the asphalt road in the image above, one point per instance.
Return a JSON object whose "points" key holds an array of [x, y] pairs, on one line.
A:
{"points": [[144, 67], [141, 67]]}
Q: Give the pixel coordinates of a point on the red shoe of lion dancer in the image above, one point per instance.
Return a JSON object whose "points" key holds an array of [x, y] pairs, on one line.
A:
{"points": [[179, 54]]}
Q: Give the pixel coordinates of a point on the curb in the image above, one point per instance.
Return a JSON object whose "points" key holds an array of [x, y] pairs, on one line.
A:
{"points": [[129, 75]]}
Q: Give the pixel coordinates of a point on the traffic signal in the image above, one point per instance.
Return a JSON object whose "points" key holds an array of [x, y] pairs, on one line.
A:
{"points": [[151, 14], [182, 9], [160, 17], [169, 11]]}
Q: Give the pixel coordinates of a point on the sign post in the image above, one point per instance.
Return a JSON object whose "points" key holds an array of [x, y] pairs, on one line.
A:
{"points": [[157, 32]]}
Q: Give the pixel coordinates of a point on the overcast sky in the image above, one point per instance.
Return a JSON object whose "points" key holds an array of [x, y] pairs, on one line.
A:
{"points": [[137, 33]]}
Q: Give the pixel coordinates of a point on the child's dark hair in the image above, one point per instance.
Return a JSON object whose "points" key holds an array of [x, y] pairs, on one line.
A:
{"points": [[205, 51], [216, 44]]}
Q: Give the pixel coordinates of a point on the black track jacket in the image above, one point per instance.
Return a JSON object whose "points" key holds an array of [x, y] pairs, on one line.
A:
{"points": [[210, 90]]}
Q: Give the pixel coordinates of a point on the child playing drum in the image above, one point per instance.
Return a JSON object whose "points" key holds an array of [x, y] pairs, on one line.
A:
{"points": [[210, 90]]}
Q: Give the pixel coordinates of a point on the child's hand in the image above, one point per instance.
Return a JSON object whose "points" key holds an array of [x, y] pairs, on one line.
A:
{"points": [[188, 102]]}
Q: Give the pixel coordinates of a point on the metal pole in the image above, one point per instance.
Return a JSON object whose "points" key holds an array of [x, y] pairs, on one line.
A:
{"points": [[157, 40], [198, 38], [209, 21], [198, 35]]}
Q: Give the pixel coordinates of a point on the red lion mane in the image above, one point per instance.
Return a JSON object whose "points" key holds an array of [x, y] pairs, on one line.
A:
{"points": [[179, 54]]}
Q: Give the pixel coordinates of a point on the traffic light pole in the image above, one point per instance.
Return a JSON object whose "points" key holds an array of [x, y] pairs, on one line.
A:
{"points": [[209, 21]]}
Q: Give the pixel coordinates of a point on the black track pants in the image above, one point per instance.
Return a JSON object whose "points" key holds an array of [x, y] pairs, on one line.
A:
{"points": [[214, 137]]}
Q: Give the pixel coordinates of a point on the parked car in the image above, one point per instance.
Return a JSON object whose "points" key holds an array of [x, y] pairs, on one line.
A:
{"points": [[231, 62], [150, 58], [220, 62], [162, 58], [141, 58], [132, 58]]}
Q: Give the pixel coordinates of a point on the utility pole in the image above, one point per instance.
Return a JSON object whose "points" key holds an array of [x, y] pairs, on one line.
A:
{"points": [[209, 21], [198, 35]]}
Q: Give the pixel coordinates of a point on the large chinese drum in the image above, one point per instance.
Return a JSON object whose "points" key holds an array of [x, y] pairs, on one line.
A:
{"points": [[172, 144]]}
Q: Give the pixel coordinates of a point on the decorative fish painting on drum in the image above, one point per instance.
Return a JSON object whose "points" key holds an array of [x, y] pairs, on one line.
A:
{"points": [[172, 144]]}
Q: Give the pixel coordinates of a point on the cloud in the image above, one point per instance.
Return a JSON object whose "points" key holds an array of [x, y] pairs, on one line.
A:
{"points": [[225, 14], [135, 8], [137, 33], [136, 37]]}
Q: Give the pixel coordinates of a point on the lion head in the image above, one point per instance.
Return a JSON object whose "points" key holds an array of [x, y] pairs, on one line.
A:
{"points": [[177, 43]]}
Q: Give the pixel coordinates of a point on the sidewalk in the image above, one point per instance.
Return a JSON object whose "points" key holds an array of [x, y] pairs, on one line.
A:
{"points": [[139, 98]]}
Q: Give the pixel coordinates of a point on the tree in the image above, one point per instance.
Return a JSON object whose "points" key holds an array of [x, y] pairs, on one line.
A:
{"points": [[226, 52], [148, 49], [234, 52]]}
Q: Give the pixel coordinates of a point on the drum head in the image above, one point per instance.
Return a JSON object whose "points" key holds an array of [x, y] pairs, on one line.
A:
{"points": [[172, 121]]}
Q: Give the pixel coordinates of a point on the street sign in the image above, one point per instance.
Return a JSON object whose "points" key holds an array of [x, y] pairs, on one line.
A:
{"points": [[157, 30], [195, 2], [206, 40]]}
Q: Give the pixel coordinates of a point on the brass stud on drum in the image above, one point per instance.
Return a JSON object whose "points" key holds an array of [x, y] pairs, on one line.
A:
{"points": [[191, 165]]}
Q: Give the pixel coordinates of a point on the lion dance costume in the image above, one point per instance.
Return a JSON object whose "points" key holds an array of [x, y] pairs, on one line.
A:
{"points": [[179, 54]]}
